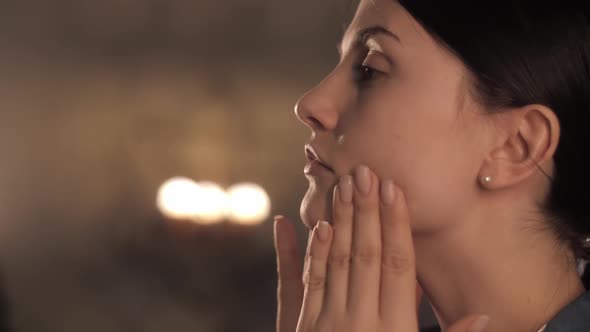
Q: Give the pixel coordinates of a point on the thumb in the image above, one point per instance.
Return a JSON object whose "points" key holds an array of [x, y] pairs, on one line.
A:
{"points": [[472, 323], [290, 288]]}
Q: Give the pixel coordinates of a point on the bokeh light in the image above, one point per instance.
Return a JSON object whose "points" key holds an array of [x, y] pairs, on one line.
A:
{"points": [[207, 203], [177, 198], [211, 204], [249, 204]]}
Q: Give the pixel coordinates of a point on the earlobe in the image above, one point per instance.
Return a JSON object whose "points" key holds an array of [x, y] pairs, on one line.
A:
{"points": [[485, 180], [529, 141]]}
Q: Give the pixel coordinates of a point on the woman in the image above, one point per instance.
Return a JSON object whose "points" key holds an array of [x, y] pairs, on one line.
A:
{"points": [[447, 155]]}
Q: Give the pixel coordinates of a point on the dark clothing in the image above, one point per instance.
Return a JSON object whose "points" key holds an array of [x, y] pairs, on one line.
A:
{"points": [[431, 329], [575, 317]]}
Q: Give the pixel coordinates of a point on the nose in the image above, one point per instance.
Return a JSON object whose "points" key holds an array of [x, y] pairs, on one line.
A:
{"points": [[319, 107]]}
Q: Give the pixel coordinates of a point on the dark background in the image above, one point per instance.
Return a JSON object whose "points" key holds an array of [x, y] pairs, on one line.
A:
{"points": [[101, 102]]}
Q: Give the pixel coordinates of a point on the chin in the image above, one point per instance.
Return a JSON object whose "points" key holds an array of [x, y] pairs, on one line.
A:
{"points": [[316, 205]]}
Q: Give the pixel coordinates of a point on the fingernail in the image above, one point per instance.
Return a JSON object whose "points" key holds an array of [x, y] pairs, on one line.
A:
{"points": [[480, 324], [278, 217], [345, 189], [363, 179], [323, 231], [387, 192]]}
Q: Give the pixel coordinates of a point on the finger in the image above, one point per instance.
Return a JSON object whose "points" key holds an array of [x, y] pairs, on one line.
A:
{"points": [[315, 284], [398, 275], [473, 323], [306, 259], [339, 259], [366, 244], [290, 289]]}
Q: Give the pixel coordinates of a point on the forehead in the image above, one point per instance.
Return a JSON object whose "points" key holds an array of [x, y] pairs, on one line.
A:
{"points": [[386, 13]]}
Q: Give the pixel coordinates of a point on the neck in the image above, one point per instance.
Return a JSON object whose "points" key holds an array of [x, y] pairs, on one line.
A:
{"points": [[517, 276]]}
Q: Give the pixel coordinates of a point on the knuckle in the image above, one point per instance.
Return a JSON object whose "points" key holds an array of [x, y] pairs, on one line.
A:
{"points": [[340, 261], [397, 262], [315, 282], [367, 256]]}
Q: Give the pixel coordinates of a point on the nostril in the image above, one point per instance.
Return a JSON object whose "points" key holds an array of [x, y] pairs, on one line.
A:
{"points": [[315, 123]]}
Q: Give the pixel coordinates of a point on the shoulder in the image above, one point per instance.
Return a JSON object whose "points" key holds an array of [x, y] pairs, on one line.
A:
{"points": [[575, 317]]}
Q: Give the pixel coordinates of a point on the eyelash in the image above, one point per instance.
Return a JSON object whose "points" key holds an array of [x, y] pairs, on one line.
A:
{"points": [[364, 74]]}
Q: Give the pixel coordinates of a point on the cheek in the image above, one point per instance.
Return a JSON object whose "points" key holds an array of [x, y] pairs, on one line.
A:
{"points": [[439, 185], [417, 143], [432, 168]]}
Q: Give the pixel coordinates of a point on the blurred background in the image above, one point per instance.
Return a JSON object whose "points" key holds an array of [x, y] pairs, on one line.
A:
{"points": [[102, 103]]}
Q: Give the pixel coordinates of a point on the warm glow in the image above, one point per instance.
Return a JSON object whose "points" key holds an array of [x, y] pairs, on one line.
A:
{"points": [[249, 204], [211, 204], [206, 203], [176, 198]]}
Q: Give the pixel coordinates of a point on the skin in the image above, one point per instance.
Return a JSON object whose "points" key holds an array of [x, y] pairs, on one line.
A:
{"points": [[479, 247], [360, 273]]}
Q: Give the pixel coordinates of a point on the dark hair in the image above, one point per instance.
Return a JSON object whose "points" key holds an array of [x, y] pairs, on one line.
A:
{"points": [[529, 52]]}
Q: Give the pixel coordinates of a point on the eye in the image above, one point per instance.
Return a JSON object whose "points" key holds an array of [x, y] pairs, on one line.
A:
{"points": [[364, 73]]}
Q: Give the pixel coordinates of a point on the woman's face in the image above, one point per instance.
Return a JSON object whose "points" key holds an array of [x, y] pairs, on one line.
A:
{"points": [[398, 103]]}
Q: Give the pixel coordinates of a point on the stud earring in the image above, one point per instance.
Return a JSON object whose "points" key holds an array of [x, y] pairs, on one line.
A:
{"points": [[486, 179]]}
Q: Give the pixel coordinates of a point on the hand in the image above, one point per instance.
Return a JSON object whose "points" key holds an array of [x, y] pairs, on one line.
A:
{"points": [[360, 273]]}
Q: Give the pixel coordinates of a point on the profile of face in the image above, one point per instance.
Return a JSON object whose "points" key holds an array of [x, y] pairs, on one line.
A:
{"points": [[397, 102]]}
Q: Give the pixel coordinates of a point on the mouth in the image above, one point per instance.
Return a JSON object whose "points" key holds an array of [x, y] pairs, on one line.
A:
{"points": [[313, 157]]}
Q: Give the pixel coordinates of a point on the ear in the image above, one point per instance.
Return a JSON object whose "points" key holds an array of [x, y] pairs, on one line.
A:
{"points": [[530, 138]]}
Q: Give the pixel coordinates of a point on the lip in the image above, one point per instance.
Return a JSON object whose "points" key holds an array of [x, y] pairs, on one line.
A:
{"points": [[315, 161], [315, 168]]}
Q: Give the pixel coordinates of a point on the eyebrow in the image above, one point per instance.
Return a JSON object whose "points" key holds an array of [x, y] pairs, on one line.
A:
{"points": [[364, 34]]}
